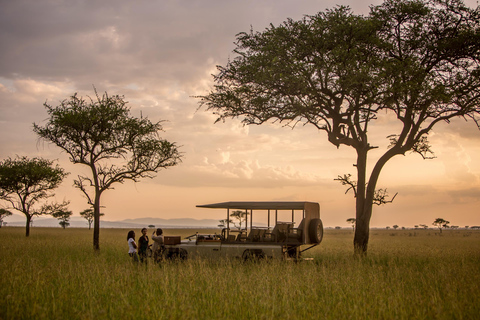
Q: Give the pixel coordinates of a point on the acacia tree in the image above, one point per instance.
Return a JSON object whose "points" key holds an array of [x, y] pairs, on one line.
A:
{"points": [[101, 134], [240, 216], [440, 223], [337, 71], [88, 215], [25, 182], [4, 213], [352, 221], [224, 223], [63, 216]]}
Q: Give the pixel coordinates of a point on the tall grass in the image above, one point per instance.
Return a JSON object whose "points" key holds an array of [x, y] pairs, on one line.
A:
{"points": [[55, 274]]}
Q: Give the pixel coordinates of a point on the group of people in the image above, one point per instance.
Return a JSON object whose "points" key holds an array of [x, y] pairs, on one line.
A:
{"points": [[139, 252]]}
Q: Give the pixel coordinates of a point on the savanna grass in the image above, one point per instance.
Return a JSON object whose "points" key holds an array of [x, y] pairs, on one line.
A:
{"points": [[55, 274]]}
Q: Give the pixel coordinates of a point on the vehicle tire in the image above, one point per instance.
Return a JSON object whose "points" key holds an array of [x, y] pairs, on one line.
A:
{"points": [[253, 255], [182, 255], [176, 254], [315, 231]]}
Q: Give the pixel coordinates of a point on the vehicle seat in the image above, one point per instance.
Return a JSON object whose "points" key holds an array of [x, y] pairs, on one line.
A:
{"points": [[280, 231], [242, 237], [254, 235]]}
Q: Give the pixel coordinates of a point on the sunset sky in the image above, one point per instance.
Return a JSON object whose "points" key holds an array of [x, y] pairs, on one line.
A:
{"points": [[159, 54]]}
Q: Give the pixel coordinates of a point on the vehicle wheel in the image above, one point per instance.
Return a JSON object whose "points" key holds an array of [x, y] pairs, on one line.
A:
{"points": [[176, 254], [253, 255], [315, 231], [182, 254]]}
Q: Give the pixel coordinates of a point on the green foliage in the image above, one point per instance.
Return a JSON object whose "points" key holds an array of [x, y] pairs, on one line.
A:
{"points": [[73, 282], [25, 182]]}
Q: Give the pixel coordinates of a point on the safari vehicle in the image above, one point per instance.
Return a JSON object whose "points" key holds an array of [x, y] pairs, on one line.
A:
{"points": [[282, 240]]}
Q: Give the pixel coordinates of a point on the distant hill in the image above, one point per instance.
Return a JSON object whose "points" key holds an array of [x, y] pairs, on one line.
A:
{"points": [[17, 220]]}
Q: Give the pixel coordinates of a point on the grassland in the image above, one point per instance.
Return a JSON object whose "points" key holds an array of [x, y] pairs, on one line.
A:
{"points": [[55, 274]]}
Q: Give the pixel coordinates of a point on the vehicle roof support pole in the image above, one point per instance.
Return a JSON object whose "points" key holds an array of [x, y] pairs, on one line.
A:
{"points": [[268, 223], [251, 219], [293, 215], [276, 216], [228, 222], [246, 220]]}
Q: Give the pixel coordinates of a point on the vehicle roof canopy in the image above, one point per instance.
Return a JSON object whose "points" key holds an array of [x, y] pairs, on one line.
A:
{"points": [[260, 205]]}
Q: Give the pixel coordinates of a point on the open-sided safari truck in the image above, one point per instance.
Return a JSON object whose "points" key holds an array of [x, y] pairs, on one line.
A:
{"points": [[279, 240]]}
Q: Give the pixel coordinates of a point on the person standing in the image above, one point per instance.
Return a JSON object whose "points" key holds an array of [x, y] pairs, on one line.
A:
{"points": [[158, 244], [143, 246], [132, 245]]}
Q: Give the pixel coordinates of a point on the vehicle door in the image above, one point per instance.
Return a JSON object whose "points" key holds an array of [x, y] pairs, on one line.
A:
{"points": [[208, 248]]}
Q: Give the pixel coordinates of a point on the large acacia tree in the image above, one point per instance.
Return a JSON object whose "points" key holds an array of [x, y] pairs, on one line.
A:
{"points": [[101, 134], [26, 184], [337, 71]]}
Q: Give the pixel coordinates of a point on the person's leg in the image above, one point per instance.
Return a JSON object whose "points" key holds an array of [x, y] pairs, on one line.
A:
{"points": [[134, 256]]}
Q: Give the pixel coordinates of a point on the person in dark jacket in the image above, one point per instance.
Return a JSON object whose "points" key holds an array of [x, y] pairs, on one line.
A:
{"points": [[143, 246]]}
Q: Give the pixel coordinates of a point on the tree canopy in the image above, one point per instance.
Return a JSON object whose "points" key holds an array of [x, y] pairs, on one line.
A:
{"points": [[101, 134], [24, 183], [88, 215], [418, 60], [4, 213], [63, 216], [440, 223]]}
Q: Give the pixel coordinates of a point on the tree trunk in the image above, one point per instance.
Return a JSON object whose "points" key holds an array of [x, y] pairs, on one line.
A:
{"points": [[365, 196], [362, 233], [96, 223], [27, 228], [362, 222]]}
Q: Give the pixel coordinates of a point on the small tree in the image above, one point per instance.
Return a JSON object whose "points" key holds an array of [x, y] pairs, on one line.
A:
{"points": [[441, 223], [352, 221], [25, 182], [4, 213], [240, 217], [63, 216], [224, 222], [395, 226], [87, 214], [101, 134]]}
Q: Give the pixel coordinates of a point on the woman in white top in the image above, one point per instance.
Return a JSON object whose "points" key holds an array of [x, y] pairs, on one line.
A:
{"points": [[132, 245]]}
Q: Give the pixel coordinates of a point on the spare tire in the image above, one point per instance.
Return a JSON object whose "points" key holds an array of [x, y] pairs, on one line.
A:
{"points": [[315, 230]]}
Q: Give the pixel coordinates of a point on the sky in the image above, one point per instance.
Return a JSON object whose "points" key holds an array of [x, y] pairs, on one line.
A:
{"points": [[159, 55]]}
